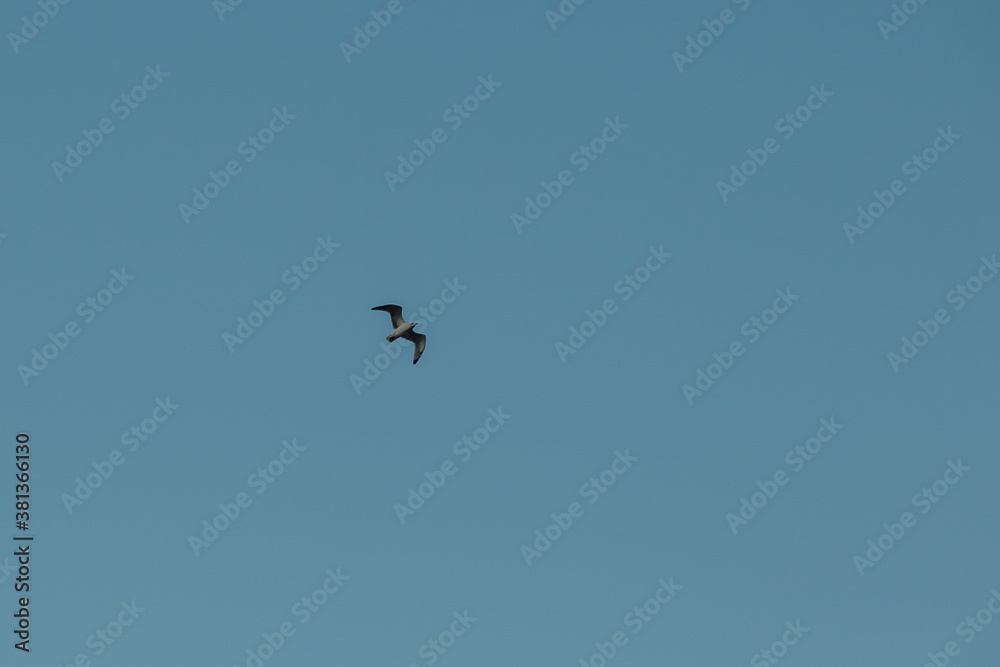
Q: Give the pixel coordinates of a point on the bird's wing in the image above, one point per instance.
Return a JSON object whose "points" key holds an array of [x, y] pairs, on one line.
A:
{"points": [[419, 343], [395, 312]]}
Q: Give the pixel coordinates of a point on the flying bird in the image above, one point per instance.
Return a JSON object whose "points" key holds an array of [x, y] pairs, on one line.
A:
{"points": [[403, 329]]}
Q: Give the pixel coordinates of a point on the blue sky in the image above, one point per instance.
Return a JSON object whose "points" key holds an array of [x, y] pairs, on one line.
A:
{"points": [[255, 119]]}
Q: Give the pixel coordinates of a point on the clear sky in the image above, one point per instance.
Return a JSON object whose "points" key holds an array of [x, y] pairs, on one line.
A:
{"points": [[649, 301]]}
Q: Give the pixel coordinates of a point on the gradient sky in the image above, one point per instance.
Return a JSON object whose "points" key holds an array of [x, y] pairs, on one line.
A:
{"points": [[360, 448]]}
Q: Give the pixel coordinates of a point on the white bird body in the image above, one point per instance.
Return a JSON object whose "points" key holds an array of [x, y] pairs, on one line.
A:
{"points": [[404, 329], [400, 331]]}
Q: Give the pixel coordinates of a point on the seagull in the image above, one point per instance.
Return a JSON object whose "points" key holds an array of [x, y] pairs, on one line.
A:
{"points": [[403, 329]]}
